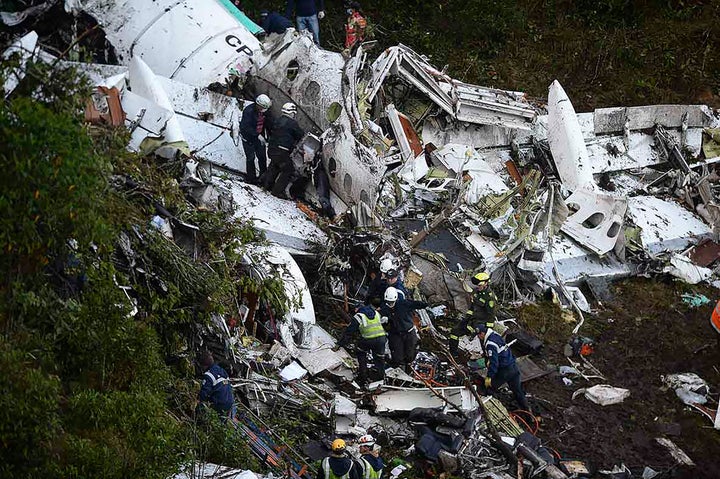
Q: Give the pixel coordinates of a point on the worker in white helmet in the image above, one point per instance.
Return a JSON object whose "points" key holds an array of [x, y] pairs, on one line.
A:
{"points": [[285, 135], [370, 460], [402, 335], [255, 124]]}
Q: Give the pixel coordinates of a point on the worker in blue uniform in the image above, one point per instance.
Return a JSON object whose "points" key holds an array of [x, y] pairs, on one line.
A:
{"points": [[216, 389], [501, 365]]}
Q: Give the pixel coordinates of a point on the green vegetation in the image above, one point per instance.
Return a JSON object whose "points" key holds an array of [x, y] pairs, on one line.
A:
{"points": [[85, 386], [605, 53]]}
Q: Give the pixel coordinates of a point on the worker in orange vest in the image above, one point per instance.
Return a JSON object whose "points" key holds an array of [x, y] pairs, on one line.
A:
{"points": [[355, 26]]}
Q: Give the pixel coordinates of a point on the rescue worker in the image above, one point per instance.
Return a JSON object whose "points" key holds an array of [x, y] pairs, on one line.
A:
{"points": [[354, 26], [286, 133], [216, 388], [338, 465], [402, 335], [255, 122], [307, 16], [273, 22], [389, 276], [372, 338], [501, 365], [482, 311], [393, 279], [370, 460]]}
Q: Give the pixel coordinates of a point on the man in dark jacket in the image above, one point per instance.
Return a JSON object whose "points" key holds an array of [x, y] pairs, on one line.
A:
{"points": [[339, 465], [402, 334], [307, 15], [284, 136], [254, 123], [372, 338], [273, 22], [501, 365], [216, 388]]}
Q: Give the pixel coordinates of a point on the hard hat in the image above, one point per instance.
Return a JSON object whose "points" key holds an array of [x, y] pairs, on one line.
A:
{"points": [[264, 13], [392, 273], [289, 109], [481, 277], [263, 102], [366, 440], [386, 265], [391, 295], [338, 445]]}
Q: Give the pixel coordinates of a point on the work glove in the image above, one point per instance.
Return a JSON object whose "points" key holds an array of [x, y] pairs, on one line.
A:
{"points": [[321, 15], [488, 382], [384, 320]]}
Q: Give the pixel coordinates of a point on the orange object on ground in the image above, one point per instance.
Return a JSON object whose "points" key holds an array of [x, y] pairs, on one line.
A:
{"points": [[715, 318]]}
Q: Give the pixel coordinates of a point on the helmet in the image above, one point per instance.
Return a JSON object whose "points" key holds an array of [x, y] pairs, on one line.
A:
{"points": [[391, 295], [481, 277], [386, 265], [366, 440], [338, 445], [289, 109], [263, 102]]}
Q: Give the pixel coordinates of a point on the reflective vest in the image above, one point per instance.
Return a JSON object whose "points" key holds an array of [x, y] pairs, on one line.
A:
{"points": [[715, 318], [370, 328], [329, 474], [369, 472]]}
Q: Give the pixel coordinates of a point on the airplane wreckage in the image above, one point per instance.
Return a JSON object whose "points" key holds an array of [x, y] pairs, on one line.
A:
{"points": [[442, 177]]}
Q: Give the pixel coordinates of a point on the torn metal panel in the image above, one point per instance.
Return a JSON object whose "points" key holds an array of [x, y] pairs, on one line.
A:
{"points": [[380, 69], [192, 41], [280, 220], [575, 263], [485, 248], [682, 267], [486, 106], [144, 83], [101, 75], [414, 69], [597, 220], [676, 453], [566, 141], [25, 48], [613, 120], [297, 70], [355, 171], [405, 135], [12, 19], [394, 399], [144, 119], [665, 225], [440, 131], [618, 152], [705, 253]]}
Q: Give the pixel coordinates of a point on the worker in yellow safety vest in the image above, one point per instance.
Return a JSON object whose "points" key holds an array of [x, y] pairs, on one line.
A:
{"points": [[367, 321], [339, 465], [370, 460]]}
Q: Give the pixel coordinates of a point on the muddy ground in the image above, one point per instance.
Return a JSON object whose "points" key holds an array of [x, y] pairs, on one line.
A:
{"points": [[647, 331]]}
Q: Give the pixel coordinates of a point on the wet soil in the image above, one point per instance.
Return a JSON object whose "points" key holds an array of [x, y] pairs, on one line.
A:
{"points": [[646, 332]]}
